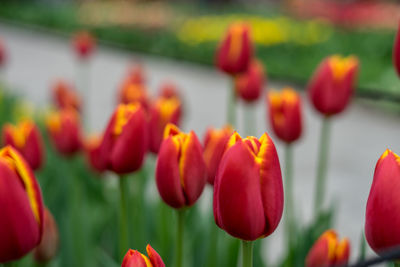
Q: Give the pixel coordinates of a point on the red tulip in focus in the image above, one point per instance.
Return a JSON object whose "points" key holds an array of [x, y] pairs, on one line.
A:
{"points": [[396, 52], [48, 247], [329, 251], [164, 111], [134, 258], [332, 84], [2, 54], [181, 173], [248, 191], [125, 141], [249, 85], [92, 149], [26, 138], [285, 113], [64, 130], [214, 147], [64, 96], [236, 50], [382, 215], [84, 44], [21, 207]]}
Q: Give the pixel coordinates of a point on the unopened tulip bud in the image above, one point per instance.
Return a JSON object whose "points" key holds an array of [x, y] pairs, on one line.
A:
{"points": [[64, 96], [248, 191], [134, 258], [249, 84], [84, 44], [181, 173], [329, 251], [48, 247]]}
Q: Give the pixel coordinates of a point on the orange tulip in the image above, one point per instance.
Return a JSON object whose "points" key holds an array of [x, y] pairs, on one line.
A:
{"points": [[250, 83], [134, 258], [84, 44], [64, 96], [48, 247]]}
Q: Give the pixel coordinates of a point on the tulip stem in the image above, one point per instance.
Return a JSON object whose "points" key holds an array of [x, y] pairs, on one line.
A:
{"points": [[289, 209], [123, 238], [247, 253], [322, 166], [231, 112], [179, 237]]}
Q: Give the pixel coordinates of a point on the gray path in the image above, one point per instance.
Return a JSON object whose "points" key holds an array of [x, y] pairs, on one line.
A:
{"points": [[358, 137]]}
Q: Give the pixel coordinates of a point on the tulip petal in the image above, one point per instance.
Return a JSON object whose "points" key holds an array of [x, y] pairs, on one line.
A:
{"points": [[154, 257]]}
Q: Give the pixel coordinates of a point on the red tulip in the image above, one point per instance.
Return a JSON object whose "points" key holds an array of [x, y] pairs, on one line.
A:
{"points": [[285, 114], [2, 54], [48, 247], [382, 215], [163, 111], [214, 147], [64, 96], [332, 84], [21, 207], [26, 138], [329, 251], [169, 90], [84, 44], [180, 171], [134, 93], [236, 50], [250, 83], [134, 258], [136, 75], [64, 129], [92, 149], [248, 191], [396, 52], [125, 140]]}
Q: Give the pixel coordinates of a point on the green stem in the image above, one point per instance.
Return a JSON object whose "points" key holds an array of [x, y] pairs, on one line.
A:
{"points": [[289, 209], [322, 166], [231, 112], [123, 237], [249, 120], [11, 264], [179, 237], [247, 253], [212, 260]]}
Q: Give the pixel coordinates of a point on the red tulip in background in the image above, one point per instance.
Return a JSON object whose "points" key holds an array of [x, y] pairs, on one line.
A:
{"points": [[163, 111], [249, 85], [134, 93], [136, 74], [181, 173], [134, 258], [64, 130], [382, 215], [48, 247], [64, 96], [214, 147], [21, 206], [125, 140], [84, 44], [332, 84], [169, 90], [236, 50], [285, 114], [2, 54], [248, 191], [396, 52], [329, 251], [26, 138], [92, 149]]}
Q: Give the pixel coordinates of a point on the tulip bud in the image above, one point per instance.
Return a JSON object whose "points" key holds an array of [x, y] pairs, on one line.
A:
{"points": [[21, 207], [248, 191], [64, 96], [26, 138], [92, 149], [250, 83], [163, 111], [332, 84], [382, 215], [329, 251], [48, 247], [134, 93], [180, 171], [396, 52], [125, 140], [2, 54], [84, 44], [285, 114], [136, 75], [64, 129], [169, 90], [134, 258], [214, 147], [236, 50]]}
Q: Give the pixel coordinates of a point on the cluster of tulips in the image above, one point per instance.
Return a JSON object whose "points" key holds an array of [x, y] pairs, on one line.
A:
{"points": [[245, 173]]}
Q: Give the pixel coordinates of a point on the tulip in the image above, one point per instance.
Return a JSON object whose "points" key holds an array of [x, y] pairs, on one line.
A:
{"points": [[236, 50], [48, 247], [2, 54], [396, 52], [329, 251], [285, 114], [92, 149], [214, 147], [134, 258], [21, 206], [250, 83], [383, 206], [64, 130], [134, 93], [64, 96], [136, 75], [125, 140], [169, 90], [84, 44], [26, 138], [332, 84], [163, 111]]}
